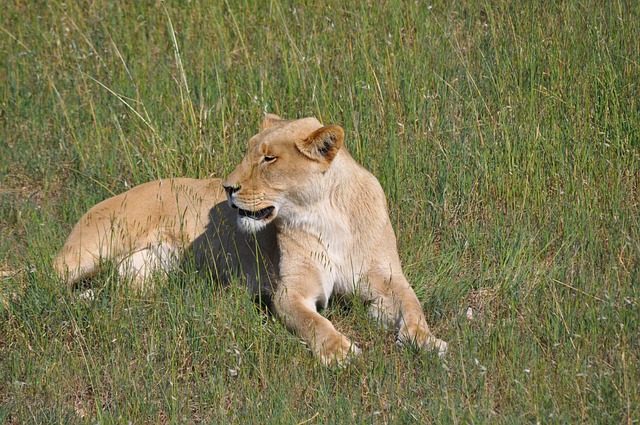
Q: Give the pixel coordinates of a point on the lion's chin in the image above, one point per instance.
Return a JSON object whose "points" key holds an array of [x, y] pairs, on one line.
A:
{"points": [[249, 225]]}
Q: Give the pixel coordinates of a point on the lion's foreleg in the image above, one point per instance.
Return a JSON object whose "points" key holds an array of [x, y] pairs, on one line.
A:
{"points": [[295, 303], [395, 303]]}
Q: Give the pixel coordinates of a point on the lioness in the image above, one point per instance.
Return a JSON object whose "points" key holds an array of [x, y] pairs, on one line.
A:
{"points": [[312, 223]]}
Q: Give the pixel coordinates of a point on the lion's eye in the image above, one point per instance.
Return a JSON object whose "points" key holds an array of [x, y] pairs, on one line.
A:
{"points": [[268, 159]]}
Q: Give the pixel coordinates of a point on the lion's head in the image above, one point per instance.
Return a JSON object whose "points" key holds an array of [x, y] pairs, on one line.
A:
{"points": [[281, 169]]}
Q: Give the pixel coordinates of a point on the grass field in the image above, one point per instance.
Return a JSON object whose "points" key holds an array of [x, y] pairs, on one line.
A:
{"points": [[505, 134]]}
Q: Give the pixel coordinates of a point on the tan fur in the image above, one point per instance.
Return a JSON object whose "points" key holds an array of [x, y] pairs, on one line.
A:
{"points": [[150, 228], [315, 219]]}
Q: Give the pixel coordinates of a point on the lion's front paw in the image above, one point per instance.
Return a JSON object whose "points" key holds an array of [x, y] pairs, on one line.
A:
{"points": [[423, 339], [336, 349], [432, 344]]}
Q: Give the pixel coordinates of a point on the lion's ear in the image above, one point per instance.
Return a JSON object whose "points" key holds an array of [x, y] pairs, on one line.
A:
{"points": [[269, 120], [323, 144]]}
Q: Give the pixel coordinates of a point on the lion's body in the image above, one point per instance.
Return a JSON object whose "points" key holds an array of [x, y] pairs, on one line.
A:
{"points": [[149, 228], [320, 221]]}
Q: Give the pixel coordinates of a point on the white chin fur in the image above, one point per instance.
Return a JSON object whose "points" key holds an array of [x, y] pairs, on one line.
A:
{"points": [[250, 225]]}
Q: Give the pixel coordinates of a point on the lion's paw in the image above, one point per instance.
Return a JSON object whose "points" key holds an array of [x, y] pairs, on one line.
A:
{"points": [[338, 350], [424, 340], [432, 344]]}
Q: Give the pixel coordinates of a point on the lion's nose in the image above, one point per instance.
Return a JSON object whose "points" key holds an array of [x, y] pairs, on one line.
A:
{"points": [[230, 189]]}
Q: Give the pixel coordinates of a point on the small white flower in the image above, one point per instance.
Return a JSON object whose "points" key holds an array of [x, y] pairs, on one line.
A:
{"points": [[87, 295], [482, 368]]}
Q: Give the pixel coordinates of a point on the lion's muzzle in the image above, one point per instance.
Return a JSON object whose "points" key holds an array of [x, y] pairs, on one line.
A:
{"points": [[251, 220]]}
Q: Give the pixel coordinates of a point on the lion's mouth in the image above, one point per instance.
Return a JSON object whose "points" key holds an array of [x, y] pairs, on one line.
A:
{"points": [[256, 215]]}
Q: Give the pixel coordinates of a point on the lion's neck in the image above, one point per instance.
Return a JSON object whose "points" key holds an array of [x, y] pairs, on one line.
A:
{"points": [[342, 209], [340, 227]]}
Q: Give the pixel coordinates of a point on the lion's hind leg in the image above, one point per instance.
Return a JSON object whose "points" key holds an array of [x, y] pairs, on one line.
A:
{"points": [[141, 265], [75, 263], [78, 261]]}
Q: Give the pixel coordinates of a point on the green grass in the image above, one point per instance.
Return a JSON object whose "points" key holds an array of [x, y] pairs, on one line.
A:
{"points": [[506, 136]]}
